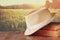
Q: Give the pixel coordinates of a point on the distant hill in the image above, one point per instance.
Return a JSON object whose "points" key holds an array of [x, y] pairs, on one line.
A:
{"points": [[22, 6], [2, 7]]}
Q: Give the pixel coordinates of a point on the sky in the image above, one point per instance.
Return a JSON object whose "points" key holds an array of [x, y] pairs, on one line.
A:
{"points": [[13, 2]]}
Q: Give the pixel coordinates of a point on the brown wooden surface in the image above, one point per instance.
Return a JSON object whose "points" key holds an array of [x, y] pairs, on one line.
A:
{"points": [[21, 36], [11, 36], [41, 38]]}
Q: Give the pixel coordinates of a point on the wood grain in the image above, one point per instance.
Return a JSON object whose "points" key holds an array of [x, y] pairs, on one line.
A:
{"points": [[21, 36], [41, 38], [12, 36]]}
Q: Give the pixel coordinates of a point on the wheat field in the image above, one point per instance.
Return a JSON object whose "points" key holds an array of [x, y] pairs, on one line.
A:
{"points": [[13, 19]]}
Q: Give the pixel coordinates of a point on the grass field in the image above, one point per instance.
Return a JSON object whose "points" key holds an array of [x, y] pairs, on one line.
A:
{"points": [[13, 19]]}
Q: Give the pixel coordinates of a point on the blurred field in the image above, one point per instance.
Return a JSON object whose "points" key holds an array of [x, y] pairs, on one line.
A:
{"points": [[13, 19]]}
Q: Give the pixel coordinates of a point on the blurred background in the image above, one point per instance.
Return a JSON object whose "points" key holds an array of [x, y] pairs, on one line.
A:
{"points": [[12, 12]]}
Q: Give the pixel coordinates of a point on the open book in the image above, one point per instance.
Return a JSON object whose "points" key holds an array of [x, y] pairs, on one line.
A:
{"points": [[38, 19]]}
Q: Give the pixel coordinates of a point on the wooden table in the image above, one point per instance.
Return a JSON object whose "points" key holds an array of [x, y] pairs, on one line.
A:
{"points": [[41, 38], [21, 36]]}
